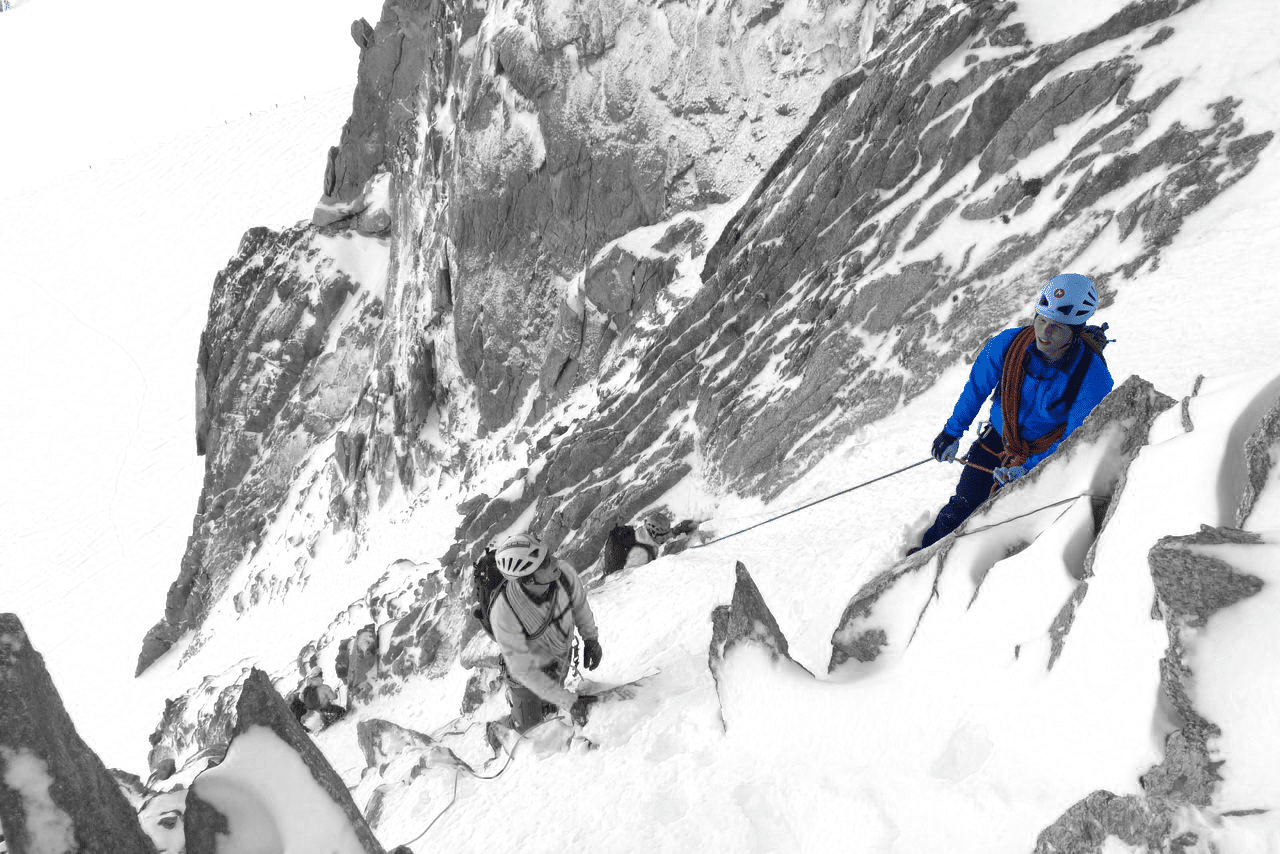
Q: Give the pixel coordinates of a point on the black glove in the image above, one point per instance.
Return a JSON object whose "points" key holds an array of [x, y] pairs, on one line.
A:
{"points": [[945, 447], [581, 707], [591, 653]]}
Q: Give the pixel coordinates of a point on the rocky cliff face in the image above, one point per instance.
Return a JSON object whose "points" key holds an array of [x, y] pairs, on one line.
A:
{"points": [[553, 178], [829, 298], [490, 154]]}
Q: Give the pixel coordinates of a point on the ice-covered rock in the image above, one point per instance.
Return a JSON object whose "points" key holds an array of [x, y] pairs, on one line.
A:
{"points": [[1210, 779], [745, 621]]}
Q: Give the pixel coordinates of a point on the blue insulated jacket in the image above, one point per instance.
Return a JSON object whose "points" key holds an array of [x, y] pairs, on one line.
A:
{"points": [[1042, 387]]}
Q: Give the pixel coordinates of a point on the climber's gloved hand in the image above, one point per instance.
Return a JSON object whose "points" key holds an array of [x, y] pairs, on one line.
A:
{"points": [[591, 653], [945, 447], [581, 708], [1006, 475]]}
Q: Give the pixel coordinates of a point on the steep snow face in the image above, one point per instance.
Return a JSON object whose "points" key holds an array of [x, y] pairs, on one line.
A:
{"points": [[505, 145], [926, 198]]}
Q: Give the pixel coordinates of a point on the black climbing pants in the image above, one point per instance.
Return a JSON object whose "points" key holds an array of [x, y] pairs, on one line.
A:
{"points": [[973, 489], [527, 708]]}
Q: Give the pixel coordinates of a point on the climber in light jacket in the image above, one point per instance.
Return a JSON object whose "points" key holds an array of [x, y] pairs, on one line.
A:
{"points": [[534, 616], [1046, 378]]}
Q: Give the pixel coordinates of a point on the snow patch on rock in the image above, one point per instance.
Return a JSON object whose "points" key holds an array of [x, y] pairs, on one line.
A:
{"points": [[271, 801], [49, 830]]}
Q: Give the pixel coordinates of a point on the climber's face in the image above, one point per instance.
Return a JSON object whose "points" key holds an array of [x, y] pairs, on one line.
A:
{"points": [[1052, 338], [542, 576]]}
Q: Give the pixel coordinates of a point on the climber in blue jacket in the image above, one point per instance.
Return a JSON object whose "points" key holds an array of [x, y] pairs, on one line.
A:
{"points": [[1046, 378]]}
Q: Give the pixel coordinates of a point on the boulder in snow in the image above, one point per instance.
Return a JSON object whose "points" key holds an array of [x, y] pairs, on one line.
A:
{"points": [[746, 620]]}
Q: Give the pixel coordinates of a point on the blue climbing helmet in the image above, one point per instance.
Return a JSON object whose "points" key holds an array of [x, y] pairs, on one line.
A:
{"points": [[1068, 298]]}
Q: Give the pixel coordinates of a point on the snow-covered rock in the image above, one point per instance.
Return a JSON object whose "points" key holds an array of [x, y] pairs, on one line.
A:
{"points": [[595, 302], [55, 793], [274, 791], [284, 360]]}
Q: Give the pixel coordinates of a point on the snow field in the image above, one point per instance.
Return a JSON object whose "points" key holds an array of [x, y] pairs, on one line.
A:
{"points": [[109, 272], [927, 749]]}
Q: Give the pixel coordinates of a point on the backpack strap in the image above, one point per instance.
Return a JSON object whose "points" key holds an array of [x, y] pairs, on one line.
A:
{"points": [[1076, 380]]}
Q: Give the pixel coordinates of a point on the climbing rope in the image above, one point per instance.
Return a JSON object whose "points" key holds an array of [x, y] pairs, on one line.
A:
{"points": [[811, 504], [1066, 500], [459, 769], [966, 462]]}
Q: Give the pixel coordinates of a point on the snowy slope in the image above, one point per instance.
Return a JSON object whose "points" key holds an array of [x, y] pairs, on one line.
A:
{"points": [[951, 748], [107, 254]]}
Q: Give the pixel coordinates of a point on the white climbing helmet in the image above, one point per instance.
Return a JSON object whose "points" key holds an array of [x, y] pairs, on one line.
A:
{"points": [[1068, 298], [521, 555]]}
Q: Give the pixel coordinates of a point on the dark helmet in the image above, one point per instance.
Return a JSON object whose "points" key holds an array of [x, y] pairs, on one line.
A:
{"points": [[658, 524]]}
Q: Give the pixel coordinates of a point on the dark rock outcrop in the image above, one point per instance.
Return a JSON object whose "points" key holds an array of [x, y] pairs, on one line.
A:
{"points": [[745, 620], [55, 793], [1259, 451], [1085, 827], [261, 706], [285, 356], [361, 33]]}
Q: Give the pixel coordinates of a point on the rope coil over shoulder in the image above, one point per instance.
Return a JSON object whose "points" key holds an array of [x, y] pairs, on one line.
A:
{"points": [[1016, 450]]}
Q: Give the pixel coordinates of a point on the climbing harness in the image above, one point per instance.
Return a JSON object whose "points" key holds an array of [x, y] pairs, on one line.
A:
{"points": [[811, 504]]}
